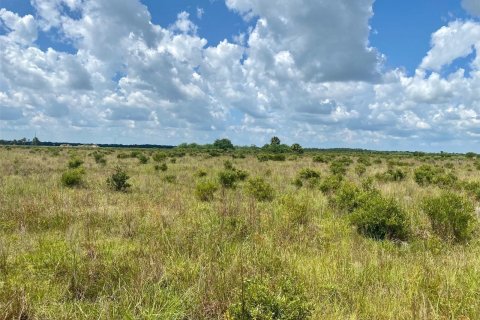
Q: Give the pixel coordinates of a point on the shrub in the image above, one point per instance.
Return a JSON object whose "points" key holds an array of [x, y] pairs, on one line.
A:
{"points": [[142, 158], [228, 178], [319, 159], [448, 180], [331, 183], [258, 301], [273, 157], [451, 215], [364, 160], [338, 168], [161, 167], [74, 163], [380, 218], [307, 173], [348, 197], [228, 165], [425, 174], [360, 169], [99, 158], [73, 177], [170, 178], [123, 155], [259, 189], [297, 209], [159, 156], [200, 173], [118, 180], [392, 175], [205, 190]]}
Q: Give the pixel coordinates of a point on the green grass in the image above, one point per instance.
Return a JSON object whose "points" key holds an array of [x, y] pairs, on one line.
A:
{"points": [[159, 252]]}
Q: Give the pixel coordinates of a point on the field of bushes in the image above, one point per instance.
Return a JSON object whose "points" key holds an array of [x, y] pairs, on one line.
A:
{"points": [[103, 233]]}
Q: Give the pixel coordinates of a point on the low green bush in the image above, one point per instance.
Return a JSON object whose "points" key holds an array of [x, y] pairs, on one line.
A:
{"points": [[75, 163], [258, 301], [143, 159], [170, 178], [391, 175], [452, 216], [205, 190], [161, 167], [259, 189], [118, 181], [331, 183], [381, 219], [73, 177]]}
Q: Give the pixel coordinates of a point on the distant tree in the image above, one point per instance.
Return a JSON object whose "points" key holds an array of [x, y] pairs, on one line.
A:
{"points": [[223, 144], [297, 148], [35, 141], [275, 141]]}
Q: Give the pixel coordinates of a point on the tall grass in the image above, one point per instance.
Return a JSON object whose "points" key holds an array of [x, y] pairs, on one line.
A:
{"points": [[160, 252]]}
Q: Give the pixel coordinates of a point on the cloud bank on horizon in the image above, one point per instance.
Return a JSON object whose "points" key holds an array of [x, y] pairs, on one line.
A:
{"points": [[304, 71]]}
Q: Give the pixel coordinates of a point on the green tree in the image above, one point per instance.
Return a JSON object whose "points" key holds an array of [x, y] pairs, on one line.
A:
{"points": [[35, 141], [297, 148], [223, 144], [275, 141]]}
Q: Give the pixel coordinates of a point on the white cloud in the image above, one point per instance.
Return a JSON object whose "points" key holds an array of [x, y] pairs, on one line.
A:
{"points": [[328, 40], [21, 29], [305, 71], [451, 42]]}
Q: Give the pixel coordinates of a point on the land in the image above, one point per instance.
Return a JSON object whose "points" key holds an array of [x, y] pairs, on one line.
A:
{"points": [[237, 234]]}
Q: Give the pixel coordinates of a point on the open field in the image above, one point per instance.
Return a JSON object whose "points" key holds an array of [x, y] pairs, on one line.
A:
{"points": [[197, 236]]}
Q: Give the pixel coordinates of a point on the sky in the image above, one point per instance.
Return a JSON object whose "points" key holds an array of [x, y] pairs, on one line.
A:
{"points": [[375, 74]]}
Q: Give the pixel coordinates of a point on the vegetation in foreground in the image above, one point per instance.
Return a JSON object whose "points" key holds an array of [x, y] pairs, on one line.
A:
{"points": [[228, 233]]}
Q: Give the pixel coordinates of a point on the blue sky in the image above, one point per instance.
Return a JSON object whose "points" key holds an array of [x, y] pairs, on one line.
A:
{"points": [[352, 73]]}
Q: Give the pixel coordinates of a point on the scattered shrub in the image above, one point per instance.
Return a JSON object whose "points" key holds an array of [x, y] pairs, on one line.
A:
{"points": [[451, 215], [331, 183], [118, 180], [272, 157], [319, 159], [159, 156], [170, 178], [381, 219], [360, 169], [425, 174], [258, 301], [74, 163], [161, 167], [338, 168], [200, 173], [99, 158], [364, 160], [259, 189], [123, 155], [307, 173], [348, 197], [297, 208], [205, 190], [142, 158], [228, 165], [392, 175], [73, 177], [228, 179]]}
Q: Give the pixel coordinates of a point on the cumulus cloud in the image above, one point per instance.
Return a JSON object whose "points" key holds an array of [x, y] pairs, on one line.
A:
{"points": [[304, 71], [327, 40], [457, 40], [21, 29]]}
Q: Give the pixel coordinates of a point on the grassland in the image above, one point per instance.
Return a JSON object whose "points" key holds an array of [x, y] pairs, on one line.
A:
{"points": [[157, 251]]}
